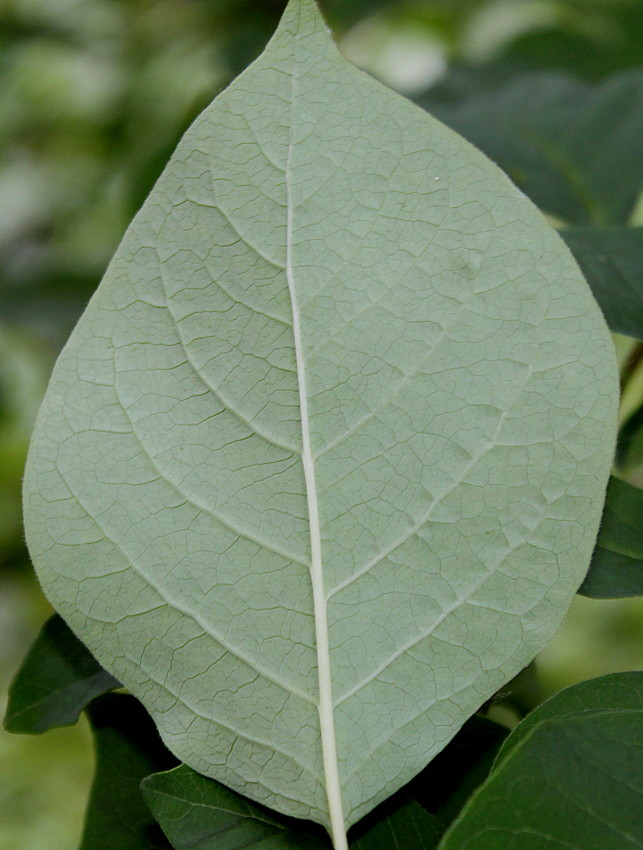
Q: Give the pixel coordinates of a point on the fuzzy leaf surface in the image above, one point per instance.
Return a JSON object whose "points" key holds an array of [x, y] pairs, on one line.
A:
{"points": [[322, 464]]}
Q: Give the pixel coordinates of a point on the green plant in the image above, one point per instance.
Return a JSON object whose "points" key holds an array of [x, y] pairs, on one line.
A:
{"points": [[335, 340]]}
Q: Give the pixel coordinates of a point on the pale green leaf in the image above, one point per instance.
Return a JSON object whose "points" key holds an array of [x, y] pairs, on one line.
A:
{"points": [[322, 464]]}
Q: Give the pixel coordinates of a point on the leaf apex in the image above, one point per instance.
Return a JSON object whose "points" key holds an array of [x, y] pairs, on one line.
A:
{"points": [[301, 17]]}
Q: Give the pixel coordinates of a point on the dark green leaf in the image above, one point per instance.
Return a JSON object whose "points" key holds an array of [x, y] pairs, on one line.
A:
{"points": [[57, 679], [613, 576], [597, 39], [576, 149], [629, 452], [197, 813], [570, 776], [618, 691], [50, 305], [611, 258], [400, 823], [621, 528], [247, 24], [127, 749], [616, 569], [448, 781]]}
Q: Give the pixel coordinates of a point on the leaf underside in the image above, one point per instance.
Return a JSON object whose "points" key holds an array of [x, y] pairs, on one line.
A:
{"points": [[322, 464]]}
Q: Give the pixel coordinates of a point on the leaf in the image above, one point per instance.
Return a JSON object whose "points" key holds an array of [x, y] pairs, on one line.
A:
{"points": [[629, 451], [611, 258], [197, 813], [58, 678], [612, 575], [246, 31], [575, 148], [603, 39], [568, 777], [444, 786], [614, 692], [128, 748], [322, 464], [406, 825], [616, 569]]}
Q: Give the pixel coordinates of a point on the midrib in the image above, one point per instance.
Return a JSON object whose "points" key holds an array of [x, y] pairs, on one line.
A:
{"points": [[325, 708]]}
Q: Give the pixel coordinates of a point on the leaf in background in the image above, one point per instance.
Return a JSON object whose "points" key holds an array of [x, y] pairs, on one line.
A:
{"points": [[445, 785], [197, 813], [616, 568], [614, 692], [629, 452], [48, 304], [611, 258], [398, 823], [128, 748], [321, 467], [569, 776], [57, 679], [247, 24], [576, 149], [591, 39]]}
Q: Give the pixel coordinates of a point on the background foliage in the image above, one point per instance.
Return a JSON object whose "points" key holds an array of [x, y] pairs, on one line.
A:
{"points": [[94, 95]]}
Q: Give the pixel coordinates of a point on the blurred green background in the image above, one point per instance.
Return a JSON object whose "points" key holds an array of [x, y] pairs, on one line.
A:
{"points": [[94, 94]]}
